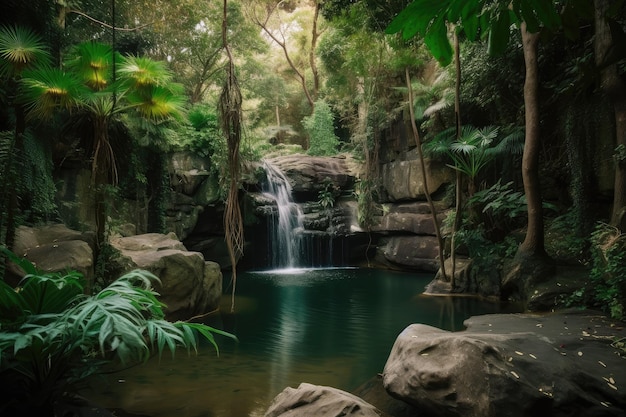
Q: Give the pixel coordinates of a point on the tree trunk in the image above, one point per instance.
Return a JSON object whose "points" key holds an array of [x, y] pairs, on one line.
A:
{"points": [[533, 245], [418, 143], [614, 88], [458, 216], [314, 37]]}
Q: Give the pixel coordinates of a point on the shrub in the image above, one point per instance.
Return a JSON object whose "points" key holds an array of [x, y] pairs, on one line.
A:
{"points": [[608, 272], [53, 336], [320, 127]]}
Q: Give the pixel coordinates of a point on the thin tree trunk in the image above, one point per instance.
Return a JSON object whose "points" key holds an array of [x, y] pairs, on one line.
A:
{"points": [[458, 217], [314, 37], [533, 244], [615, 89], [418, 143]]}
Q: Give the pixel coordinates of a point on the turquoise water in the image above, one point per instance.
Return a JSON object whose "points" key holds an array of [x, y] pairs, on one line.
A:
{"points": [[330, 327]]}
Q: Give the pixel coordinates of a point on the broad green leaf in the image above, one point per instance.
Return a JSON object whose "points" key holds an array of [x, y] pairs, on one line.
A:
{"points": [[438, 43], [546, 13], [470, 27], [499, 33], [416, 18], [526, 14]]}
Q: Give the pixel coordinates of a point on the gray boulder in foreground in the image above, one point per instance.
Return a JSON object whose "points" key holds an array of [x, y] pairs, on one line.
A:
{"points": [[319, 401], [189, 285], [565, 364]]}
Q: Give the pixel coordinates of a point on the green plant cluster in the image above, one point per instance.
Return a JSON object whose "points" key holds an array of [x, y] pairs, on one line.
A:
{"points": [[608, 272], [53, 335], [606, 288], [320, 128], [501, 209], [328, 194]]}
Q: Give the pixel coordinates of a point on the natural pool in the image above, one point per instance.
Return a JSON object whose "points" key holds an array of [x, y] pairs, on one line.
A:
{"points": [[330, 327]]}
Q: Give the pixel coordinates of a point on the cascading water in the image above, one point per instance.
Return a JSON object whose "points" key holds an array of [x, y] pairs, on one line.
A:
{"points": [[285, 236]]}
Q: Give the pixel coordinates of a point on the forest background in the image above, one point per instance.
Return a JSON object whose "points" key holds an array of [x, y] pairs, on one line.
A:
{"points": [[330, 77]]}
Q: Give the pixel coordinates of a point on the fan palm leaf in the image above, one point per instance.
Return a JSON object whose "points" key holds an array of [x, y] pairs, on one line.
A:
{"points": [[141, 72], [46, 90], [157, 103], [92, 62], [20, 48]]}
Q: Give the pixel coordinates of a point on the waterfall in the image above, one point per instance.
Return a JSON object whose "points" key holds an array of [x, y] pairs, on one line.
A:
{"points": [[285, 234]]}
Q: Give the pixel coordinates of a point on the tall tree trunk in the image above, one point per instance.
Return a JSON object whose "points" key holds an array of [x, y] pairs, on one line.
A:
{"points": [[314, 37], [420, 153], [534, 243], [458, 216], [615, 89]]}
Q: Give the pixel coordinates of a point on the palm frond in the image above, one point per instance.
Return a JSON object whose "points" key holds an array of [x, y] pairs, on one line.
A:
{"points": [[512, 143], [157, 103], [47, 90], [20, 48], [93, 63], [51, 293], [141, 72]]}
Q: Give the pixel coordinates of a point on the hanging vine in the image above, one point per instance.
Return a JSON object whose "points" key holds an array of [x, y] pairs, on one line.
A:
{"points": [[230, 118]]}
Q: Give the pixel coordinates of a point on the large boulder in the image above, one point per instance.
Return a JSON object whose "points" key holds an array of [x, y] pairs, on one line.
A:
{"points": [[189, 286], [54, 248], [187, 172], [319, 401], [412, 217], [409, 252], [512, 365]]}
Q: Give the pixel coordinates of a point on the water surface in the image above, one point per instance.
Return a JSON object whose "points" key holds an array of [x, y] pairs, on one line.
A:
{"points": [[330, 327]]}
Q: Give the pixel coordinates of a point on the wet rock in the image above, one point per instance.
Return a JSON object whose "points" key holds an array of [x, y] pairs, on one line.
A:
{"points": [[54, 248], [514, 365], [319, 401], [311, 173], [411, 252]]}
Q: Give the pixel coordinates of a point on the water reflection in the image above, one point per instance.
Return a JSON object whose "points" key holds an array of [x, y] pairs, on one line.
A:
{"points": [[326, 327]]}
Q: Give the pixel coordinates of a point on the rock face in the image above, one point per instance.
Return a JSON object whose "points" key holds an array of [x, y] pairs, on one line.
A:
{"points": [[309, 173], [511, 365], [189, 285], [319, 401], [402, 180], [55, 248]]}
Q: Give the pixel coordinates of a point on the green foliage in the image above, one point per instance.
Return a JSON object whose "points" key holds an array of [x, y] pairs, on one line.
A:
{"points": [[321, 130], [619, 155], [53, 336], [501, 207], [474, 148], [365, 202], [478, 19], [327, 196], [486, 254], [608, 273], [20, 48], [563, 241], [39, 188], [203, 137]]}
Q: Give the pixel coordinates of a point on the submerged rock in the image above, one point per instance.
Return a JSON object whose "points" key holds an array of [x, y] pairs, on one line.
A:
{"points": [[513, 365]]}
